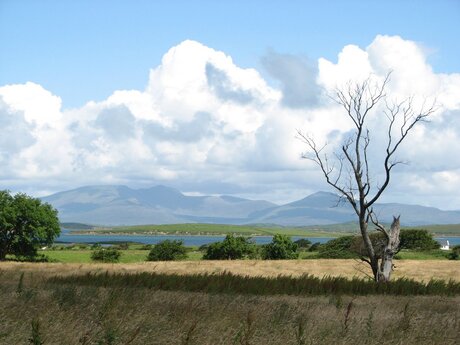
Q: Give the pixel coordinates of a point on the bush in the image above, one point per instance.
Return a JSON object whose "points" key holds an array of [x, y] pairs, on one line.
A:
{"points": [[122, 246], [106, 255], [417, 239], [314, 247], [338, 248], [303, 243], [167, 251], [455, 254], [280, 248], [231, 248]]}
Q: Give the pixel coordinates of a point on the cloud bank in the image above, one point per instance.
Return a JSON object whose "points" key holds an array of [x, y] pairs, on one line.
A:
{"points": [[205, 125]]}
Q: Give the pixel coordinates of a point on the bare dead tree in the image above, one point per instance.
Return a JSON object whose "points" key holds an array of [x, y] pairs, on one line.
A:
{"points": [[348, 171]]}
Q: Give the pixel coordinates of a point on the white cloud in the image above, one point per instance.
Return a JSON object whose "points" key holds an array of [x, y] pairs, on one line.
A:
{"points": [[205, 125]]}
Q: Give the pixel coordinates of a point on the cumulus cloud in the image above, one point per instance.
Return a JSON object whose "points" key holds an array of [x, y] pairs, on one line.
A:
{"points": [[297, 76], [205, 125]]}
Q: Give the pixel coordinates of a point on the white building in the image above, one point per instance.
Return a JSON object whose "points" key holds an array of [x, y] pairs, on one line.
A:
{"points": [[444, 244]]}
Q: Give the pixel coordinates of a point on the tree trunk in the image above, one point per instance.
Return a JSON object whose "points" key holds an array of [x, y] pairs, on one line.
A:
{"points": [[391, 248]]}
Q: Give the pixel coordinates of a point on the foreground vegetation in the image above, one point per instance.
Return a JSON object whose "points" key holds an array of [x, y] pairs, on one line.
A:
{"points": [[126, 309]]}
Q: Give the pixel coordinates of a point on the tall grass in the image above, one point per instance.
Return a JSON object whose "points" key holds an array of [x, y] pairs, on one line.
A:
{"points": [[227, 282], [132, 312]]}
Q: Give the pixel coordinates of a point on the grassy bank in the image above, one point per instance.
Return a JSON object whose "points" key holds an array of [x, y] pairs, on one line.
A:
{"points": [[82, 254], [211, 229], [67, 312]]}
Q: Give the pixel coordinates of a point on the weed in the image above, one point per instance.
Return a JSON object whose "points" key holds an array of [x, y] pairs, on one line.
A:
{"points": [[370, 323], [186, 340], [405, 322], [246, 331], [300, 335], [347, 317], [109, 337], [65, 295], [20, 287], [36, 337]]}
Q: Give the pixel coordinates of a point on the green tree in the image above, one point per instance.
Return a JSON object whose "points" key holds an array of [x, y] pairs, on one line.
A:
{"points": [[231, 248], [455, 253], [338, 248], [168, 251], [417, 239], [280, 248], [26, 223], [303, 243]]}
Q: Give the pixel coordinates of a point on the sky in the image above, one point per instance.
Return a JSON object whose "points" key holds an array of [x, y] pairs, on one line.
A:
{"points": [[207, 96]]}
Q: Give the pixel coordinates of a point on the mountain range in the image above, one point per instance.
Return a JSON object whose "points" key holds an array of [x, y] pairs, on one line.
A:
{"points": [[121, 205]]}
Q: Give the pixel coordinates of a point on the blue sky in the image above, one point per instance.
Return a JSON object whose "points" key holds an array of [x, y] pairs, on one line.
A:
{"points": [[206, 96], [83, 50]]}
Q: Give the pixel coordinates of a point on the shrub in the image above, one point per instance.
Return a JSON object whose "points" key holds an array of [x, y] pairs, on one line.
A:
{"points": [[122, 246], [106, 255], [455, 254], [231, 248], [314, 247], [338, 248], [280, 248], [167, 251], [303, 243], [417, 239]]}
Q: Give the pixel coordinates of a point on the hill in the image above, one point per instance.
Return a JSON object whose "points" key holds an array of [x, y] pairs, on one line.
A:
{"points": [[121, 205]]}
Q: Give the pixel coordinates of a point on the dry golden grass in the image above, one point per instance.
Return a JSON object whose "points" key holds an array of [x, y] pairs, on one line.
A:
{"points": [[72, 314], [420, 270]]}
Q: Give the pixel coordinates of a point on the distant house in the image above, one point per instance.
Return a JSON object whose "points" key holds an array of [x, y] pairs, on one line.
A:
{"points": [[444, 244]]}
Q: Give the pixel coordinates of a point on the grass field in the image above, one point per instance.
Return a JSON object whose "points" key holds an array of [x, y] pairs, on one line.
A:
{"points": [[420, 270], [334, 230], [211, 229], [59, 312], [135, 254]]}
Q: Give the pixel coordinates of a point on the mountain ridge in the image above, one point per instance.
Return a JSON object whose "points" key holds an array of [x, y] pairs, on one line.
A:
{"points": [[121, 205]]}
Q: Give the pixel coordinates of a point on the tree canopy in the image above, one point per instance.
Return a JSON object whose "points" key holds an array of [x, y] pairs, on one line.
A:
{"points": [[281, 248], [231, 248], [26, 223]]}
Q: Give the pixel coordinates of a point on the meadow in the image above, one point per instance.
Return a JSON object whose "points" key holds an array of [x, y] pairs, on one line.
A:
{"points": [[135, 304], [212, 229], [332, 230]]}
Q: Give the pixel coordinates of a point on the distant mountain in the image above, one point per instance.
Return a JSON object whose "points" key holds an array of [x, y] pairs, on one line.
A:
{"points": [[120, 205], [326, 208]]}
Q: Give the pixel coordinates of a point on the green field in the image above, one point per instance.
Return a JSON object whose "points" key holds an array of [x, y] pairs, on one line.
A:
{"points": [[135, 255], [334, 230], [213, 229]]}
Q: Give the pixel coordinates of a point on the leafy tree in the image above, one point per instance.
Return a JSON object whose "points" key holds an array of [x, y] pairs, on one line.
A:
{"points": [[418, 239], [280, 248], [455, 254], [338, 248], [314, 247], [303, 243], [349, 169], [26, 223], [168, 251], [231, 248], [108, 255]]}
